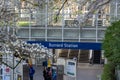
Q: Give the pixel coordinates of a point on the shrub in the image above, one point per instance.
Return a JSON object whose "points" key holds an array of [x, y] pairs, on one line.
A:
{"points": [[108, 72]]}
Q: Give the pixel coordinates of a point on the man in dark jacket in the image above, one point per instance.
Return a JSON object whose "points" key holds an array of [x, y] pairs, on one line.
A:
{"points": [[31, 72], [45, 73]]}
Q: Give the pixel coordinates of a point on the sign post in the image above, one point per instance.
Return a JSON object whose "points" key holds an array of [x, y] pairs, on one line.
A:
{"points": [[60, 72], [71, 68]]}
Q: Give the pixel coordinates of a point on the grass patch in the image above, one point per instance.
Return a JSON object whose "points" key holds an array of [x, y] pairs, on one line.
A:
{"points": [[24, 23]]}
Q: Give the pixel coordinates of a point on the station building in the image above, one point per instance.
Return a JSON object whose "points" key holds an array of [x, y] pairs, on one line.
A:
{"points": [[69, 34]]}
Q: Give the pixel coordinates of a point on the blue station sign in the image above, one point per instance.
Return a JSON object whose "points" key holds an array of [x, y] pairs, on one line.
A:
{"points": [[68, 45]]}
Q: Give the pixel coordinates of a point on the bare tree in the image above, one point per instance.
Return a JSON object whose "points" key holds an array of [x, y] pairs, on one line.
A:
{"points": [[93, 7], [96, 6], [7, 12]]}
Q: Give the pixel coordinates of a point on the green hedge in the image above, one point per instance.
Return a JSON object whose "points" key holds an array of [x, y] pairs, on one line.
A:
{"points": [[24, 23], [108, 72]]}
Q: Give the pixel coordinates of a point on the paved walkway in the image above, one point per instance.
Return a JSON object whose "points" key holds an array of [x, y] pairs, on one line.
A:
{"points": [[87, 72], [38, 73], [84, 72]]}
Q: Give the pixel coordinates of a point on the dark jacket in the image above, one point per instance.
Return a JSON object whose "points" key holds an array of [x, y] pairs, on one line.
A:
{"points": [[31, 71]]}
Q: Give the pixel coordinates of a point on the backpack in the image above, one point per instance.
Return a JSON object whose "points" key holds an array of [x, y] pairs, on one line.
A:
{"points": [[49, 73]]}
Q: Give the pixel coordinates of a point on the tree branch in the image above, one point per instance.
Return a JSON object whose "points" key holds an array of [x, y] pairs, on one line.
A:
{"points": [[13, 66], [97, 5], [56, 18]]}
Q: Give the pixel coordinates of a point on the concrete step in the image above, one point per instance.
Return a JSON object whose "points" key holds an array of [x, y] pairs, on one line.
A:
{"points": [[89, 66]]}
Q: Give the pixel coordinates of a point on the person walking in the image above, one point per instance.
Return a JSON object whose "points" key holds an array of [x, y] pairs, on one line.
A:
{"points": [[54, 77], [31, 72], [49, 74], [45, 73]]}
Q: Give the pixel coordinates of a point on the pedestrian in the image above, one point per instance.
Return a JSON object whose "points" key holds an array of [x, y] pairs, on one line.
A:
{"points": [[45, 73], [54, 77], [31, 72], [75, 59], [49, 74]]}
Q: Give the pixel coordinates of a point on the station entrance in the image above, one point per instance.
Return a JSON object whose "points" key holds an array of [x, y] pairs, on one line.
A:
{"points": [[96, 57], [82, 56], [84, 52]]}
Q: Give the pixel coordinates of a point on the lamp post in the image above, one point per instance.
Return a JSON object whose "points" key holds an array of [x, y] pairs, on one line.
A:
{"points": [[13, 68]]}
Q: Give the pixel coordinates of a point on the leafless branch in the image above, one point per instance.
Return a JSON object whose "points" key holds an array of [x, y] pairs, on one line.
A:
{"points": [[95, 6], [56, 18]]}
